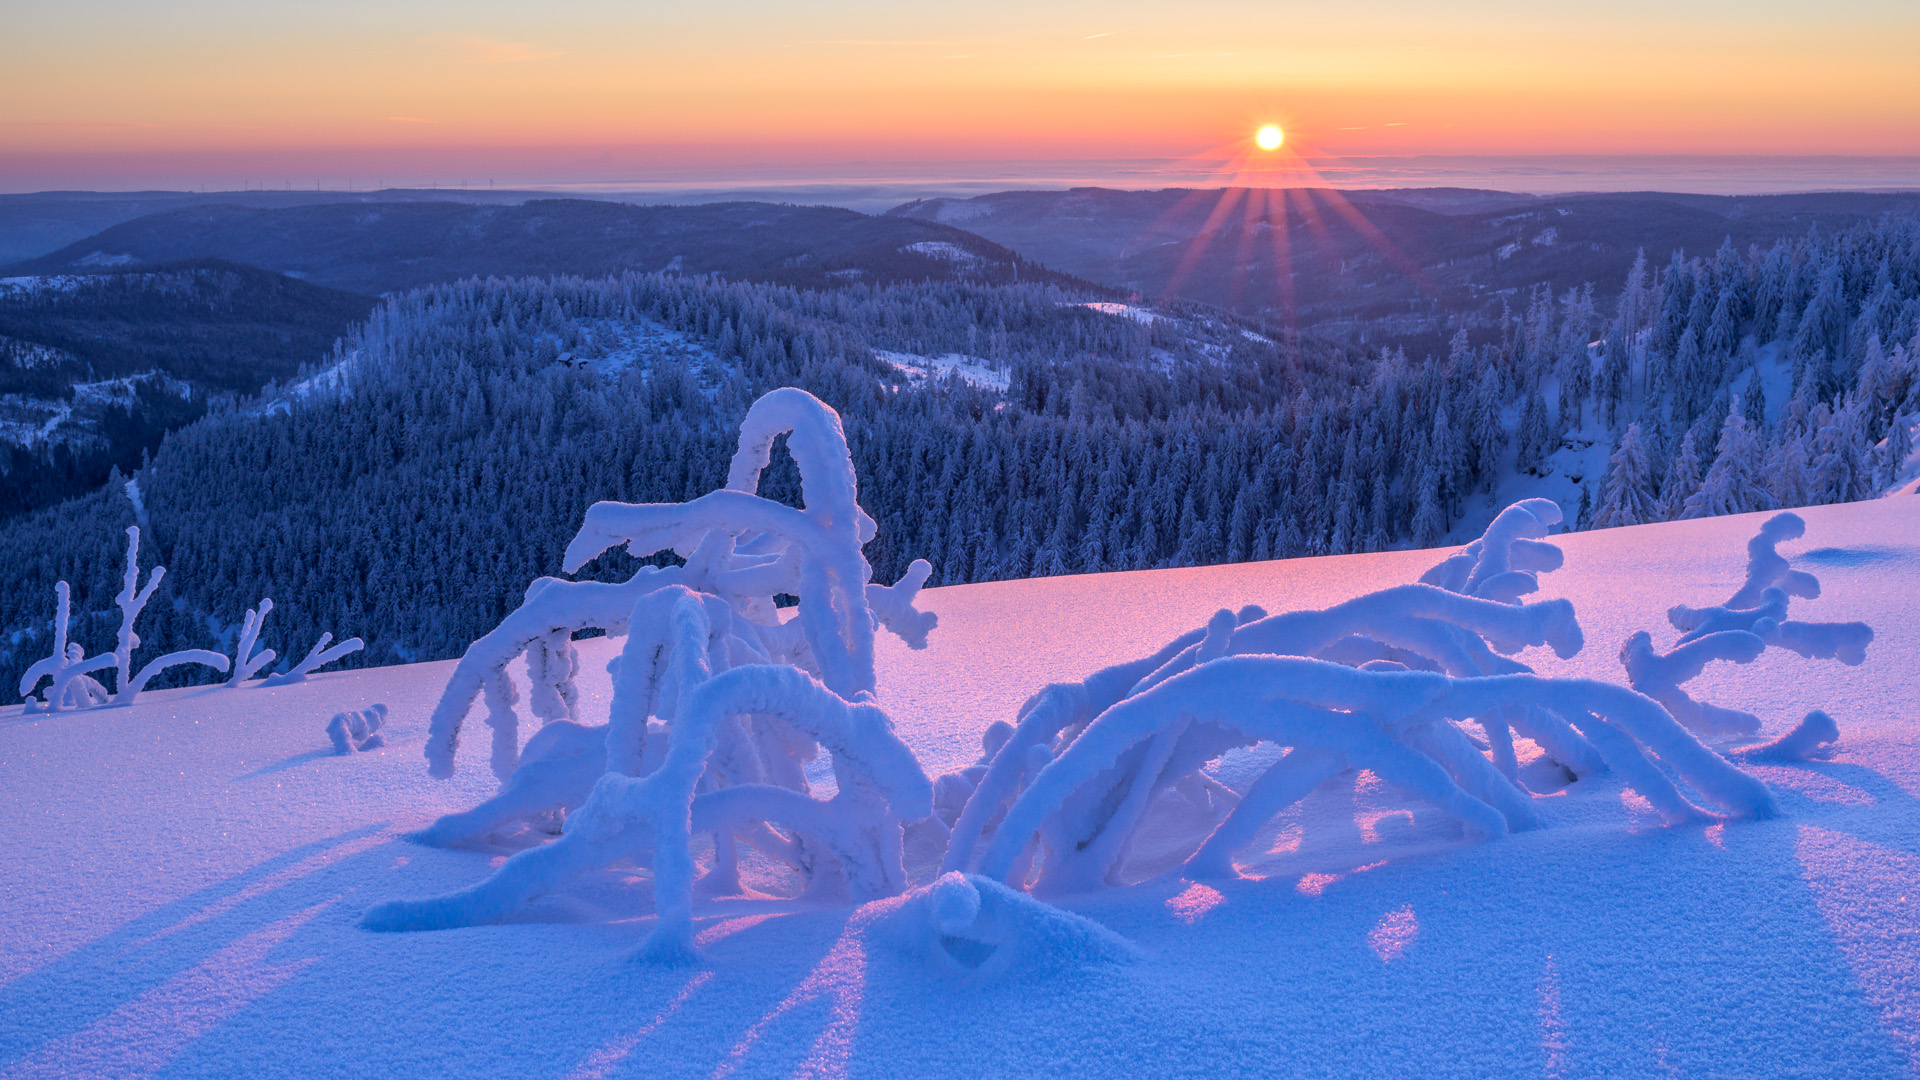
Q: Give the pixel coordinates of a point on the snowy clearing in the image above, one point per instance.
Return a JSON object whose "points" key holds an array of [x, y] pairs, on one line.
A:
{"points": [[184, 878], [971, 369], [1124, 311], [945, 251]]}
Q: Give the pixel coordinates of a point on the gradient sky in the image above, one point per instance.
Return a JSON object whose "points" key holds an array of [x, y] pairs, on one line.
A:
{"points": [[112, 89]]}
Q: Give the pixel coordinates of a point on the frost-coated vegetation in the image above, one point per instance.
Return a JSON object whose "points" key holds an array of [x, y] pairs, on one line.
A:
{"points": [[357, 730], [718, 701], [69, 671], [1758, 379], [1739, 630]]}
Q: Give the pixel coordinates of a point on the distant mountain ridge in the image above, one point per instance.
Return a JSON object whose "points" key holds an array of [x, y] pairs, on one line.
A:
{"points": [[377, 248], [35, 223], [1403, 265]]}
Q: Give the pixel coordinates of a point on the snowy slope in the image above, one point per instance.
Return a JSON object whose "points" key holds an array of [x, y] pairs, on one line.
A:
{"points": [[181, 881]]}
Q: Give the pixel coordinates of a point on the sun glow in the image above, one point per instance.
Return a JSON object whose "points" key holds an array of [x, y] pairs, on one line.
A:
{"points": [[1269, 137]]}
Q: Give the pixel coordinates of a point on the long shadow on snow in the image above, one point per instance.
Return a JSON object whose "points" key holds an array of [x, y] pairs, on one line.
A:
{"points": [[93, 980]]}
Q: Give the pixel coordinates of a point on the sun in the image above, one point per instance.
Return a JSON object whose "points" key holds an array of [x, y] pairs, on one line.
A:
{"points": [[1269, 137]]}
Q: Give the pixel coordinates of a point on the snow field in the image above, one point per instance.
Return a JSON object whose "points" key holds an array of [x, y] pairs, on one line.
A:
{"points": [[183, 878]]}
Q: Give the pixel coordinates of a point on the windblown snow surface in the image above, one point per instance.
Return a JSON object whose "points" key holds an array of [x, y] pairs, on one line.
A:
{"points": [[181, 882]]}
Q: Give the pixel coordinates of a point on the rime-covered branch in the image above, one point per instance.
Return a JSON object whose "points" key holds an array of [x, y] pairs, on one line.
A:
{"points": [[317, 657], [247, 662]]}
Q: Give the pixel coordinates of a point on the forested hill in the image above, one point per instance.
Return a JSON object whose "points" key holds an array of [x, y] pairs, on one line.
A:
{"points": [[95, 368], [411, 490], [379, 248]]}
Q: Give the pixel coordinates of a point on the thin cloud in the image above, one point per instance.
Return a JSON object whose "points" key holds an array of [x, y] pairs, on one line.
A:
{"points": [[1090, 37], [479, 50], [884, 42]]}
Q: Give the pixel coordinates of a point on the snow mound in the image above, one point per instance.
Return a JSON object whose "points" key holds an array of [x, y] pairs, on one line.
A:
{"points": [[976, 927]]}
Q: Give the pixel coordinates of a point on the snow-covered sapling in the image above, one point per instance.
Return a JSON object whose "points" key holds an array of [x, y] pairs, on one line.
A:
{"points": [[977, 928], [1739, 630], [131, 601], [1811, 739], [718, 702], [357, 730], [246, 662], [1384, 682], [70, 671], [317, 657]]}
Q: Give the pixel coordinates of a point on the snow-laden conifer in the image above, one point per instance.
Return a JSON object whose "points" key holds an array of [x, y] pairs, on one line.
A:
{"points": [[1627, 498]]}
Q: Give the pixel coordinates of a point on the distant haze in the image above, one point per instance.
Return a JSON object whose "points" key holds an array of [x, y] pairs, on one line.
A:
{"points": [[872, 187]]}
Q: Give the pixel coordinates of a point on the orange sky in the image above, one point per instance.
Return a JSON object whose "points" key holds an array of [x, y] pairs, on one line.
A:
{"points": [[357, 86]]}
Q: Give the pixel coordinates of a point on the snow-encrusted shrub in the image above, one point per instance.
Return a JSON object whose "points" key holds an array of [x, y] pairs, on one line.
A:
{"points": [[73, 685], [70, 671], [317, 657], [357, 730], [1383, 682], [1811, 739], [1738, 631], [246, 661], [717, 701]]}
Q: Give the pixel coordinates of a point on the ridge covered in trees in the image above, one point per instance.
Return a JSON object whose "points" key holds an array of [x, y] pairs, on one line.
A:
{"points": [[448, 448]]}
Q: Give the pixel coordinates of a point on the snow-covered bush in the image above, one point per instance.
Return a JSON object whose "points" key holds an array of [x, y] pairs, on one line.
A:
{"points": [[317, 657], [1738, 631], [73, 684], [718, 702], [1386, 682], [69, 669], [357, 730], [246, 661]]}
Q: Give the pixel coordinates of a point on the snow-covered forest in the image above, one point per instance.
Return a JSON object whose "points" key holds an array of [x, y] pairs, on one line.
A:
{"points": [[443, 455]]}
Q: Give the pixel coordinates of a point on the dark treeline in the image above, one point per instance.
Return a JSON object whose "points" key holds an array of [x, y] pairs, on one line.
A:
{"points": [[448, 453]]}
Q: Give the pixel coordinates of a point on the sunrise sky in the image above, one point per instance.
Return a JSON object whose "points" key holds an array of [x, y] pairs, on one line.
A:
{"points": [[112, 93]]}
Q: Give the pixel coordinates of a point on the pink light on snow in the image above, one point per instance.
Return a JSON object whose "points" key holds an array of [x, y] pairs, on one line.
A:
{"points": [[1194, 902], [841, 977], [1369, 822], [1315, 884], [1395, 933], [726, 928], [1870, 897], [1553, 1027], [603, 1061]]}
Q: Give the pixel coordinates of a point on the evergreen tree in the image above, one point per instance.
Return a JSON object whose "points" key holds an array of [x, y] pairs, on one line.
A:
{"points": [[1753, 401], [1683, 479], [1627, 497], [1734, 484]]}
